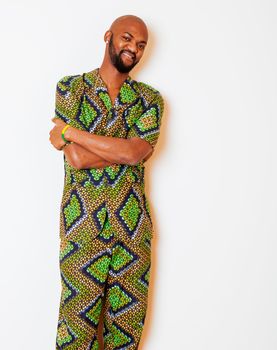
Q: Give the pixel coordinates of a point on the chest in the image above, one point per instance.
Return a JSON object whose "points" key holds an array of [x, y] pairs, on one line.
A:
{"points": [[113, 94], [109, 113]]}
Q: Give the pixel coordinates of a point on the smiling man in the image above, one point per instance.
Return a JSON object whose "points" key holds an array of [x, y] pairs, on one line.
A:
{"points": [[107, 125]]}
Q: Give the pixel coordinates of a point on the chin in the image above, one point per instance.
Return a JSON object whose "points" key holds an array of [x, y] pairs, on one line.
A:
{"points": [[125, 69]]}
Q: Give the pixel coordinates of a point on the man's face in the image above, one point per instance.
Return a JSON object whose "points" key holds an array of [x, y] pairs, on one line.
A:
{"points": [[126, 50]]}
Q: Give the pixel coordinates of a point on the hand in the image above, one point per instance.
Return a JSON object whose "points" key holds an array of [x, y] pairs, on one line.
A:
{"points": [[55, 134]]}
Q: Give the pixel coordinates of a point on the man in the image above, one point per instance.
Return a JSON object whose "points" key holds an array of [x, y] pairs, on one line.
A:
{"points": [[112, 126]]}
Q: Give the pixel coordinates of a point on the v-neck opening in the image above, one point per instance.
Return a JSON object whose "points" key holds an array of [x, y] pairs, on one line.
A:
{"points": [[104, 85]]}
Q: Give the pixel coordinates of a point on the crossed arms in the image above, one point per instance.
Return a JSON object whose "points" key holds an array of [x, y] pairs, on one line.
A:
{"points": [[97, 151], [81, 158]]}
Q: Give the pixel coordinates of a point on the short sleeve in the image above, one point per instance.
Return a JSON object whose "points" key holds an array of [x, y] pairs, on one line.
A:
{"points": [[148, 125], [66, 99]]}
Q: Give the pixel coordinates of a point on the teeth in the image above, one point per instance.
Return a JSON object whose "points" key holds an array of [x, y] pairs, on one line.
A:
{"points": [[127, 54]]}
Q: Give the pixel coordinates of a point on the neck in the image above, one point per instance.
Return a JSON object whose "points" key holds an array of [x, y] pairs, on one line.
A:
{"points": [[111, 76]]}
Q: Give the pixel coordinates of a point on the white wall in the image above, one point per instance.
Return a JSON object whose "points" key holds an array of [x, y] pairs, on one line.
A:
{"points": [[212, 181]]}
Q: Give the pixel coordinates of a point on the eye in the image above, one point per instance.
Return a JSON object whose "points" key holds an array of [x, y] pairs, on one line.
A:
{"points": [[126, 38], [141, 47]]}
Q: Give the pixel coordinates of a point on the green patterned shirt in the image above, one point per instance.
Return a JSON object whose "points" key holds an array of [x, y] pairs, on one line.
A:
{"points": [[137, 111], [83, 102]]}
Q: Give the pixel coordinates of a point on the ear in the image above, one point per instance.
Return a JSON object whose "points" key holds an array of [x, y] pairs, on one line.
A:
{"points": [[107, 35]]}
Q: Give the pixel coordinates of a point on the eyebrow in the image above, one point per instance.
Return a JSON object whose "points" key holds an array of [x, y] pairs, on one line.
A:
{"points": [[142, 41]]}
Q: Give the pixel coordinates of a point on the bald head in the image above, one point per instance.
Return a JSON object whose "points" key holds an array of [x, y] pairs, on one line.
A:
{"points": [[126, 38], [129, 21]]}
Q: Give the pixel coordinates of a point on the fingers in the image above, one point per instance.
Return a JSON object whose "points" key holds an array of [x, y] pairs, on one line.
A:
{"points": [[57, 120]]}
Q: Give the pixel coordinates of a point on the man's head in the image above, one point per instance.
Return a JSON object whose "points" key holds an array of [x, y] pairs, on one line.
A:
{"points": [[126, 39]]}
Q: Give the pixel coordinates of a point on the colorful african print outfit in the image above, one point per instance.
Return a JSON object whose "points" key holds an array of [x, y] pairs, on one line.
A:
{"points": [[105, 221]]}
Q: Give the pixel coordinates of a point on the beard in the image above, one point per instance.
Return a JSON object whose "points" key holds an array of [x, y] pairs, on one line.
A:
{"points": [[117, 60]]}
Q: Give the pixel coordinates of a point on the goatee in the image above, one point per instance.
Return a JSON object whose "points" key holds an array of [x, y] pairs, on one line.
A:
{"points": [[116, 59]]}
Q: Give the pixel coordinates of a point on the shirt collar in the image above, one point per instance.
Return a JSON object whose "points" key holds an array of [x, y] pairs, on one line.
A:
{"points": [[129, 89], [94, 79]]}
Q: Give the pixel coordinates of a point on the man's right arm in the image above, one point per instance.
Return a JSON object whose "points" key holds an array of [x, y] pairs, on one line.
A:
{"points": [[81, 158], [68, 95]]}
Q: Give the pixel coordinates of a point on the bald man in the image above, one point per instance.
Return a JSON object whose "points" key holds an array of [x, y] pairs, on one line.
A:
{"points": [[107, 125]]}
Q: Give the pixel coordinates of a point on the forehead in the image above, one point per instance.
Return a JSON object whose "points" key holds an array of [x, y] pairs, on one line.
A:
{"points": [[135, 28]]}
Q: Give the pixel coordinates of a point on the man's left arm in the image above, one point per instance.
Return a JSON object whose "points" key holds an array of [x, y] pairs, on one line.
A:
{"points": [[113, 149]]}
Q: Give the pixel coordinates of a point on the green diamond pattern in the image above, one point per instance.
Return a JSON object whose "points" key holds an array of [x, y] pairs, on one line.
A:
{"points": [[112, 174], [119, 338], [68, 249], [101, 215], [96, 173], [127, 94], [72, 211], [121, 259], [107, 231], [64, 335], [106, 99], [131, 212], [98, 269], [94, 313], [118, 298], [133, 113], [148, 120], [88, 114]]}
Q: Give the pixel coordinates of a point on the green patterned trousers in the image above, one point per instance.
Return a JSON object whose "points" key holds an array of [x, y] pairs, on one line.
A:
{"points": [[107, 272]]}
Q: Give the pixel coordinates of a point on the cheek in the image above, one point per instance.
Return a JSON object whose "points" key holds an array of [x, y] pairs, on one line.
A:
{"points": [[119, 46], [139, 55]]}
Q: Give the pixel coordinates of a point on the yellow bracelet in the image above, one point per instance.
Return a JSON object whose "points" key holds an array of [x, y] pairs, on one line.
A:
{"points": [[63, 131]]}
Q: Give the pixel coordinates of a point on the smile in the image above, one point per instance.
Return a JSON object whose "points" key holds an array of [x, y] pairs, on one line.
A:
{"points": [[130, 56]]}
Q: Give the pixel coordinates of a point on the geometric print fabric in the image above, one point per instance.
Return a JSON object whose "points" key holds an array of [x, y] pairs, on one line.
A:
{"points": [[118, 189], [105, 220], [83, 101], [83, 211], [109, 274]]}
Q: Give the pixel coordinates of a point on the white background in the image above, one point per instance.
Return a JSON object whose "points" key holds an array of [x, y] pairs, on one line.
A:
{"points": [[211, 182]]}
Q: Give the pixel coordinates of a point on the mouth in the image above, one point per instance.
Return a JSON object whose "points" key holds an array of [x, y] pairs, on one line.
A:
{"points": [[130, 56]]}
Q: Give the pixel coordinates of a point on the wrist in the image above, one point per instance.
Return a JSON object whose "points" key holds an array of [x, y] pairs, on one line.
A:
{"points": [[68, 134]]}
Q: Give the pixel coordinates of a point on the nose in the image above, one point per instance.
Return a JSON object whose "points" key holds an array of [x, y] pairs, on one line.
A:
{"points": [[132, 48]]}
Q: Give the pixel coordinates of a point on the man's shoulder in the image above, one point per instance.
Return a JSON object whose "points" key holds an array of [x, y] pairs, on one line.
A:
{"points": [[149, 92], [69, 83], [144, 87]]}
